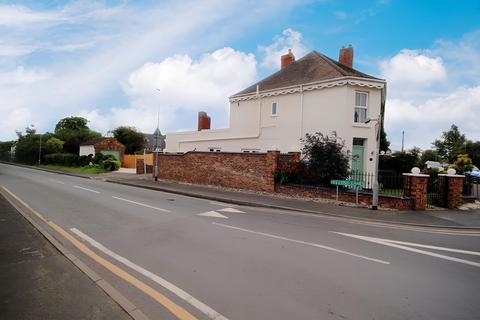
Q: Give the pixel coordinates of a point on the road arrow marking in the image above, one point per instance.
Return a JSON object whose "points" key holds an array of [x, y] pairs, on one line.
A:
{"points": [[403, 245], [233, 210], [212, 214]]}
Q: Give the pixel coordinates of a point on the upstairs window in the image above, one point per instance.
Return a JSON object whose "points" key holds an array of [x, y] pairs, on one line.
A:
{"points": [[274, 108], [361, 109]]}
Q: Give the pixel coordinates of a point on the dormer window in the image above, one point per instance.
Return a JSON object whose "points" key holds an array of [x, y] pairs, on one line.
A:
{"points": [[274, 108], [361, 107]]}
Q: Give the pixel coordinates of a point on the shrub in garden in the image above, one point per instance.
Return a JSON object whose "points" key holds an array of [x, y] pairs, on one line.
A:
{"points": [[110, 164], [326, 157], [66, 159]]}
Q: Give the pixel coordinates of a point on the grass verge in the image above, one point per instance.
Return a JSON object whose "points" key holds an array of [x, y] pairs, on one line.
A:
{"points": [[87, 170]]}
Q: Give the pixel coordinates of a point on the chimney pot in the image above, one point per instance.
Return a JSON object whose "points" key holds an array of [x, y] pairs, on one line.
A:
{"points": [[345, 56], [203, 121], [287, 59]]}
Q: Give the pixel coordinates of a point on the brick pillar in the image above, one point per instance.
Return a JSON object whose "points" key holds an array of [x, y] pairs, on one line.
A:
{"points": [[454, 190], [139, 166], [272, 164], [415, 185]]}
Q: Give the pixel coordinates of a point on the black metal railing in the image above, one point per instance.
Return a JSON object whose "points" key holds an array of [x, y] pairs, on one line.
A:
{"points": [[390, 182]]}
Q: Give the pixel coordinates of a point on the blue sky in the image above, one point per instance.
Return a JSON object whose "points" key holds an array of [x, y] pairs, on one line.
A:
{"points": [[103, 60]]}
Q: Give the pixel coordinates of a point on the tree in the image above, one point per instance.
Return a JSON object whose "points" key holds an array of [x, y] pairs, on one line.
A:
{"points": [[52, 145], [463, 164], [130, 137], [5, 150], [473, 151], [429, 155], [27, 147], [400, 162], [451, 145], [326, 157], [74, 130], [384, 143]]}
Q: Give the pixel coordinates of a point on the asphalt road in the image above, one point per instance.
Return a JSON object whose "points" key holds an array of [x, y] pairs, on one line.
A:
{"points": [[219, 261]]}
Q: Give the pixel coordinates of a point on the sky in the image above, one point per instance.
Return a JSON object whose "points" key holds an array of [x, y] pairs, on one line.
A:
{"points": [[123, 62]]}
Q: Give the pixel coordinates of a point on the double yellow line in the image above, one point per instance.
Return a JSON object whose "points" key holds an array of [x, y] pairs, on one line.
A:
{"points": [[175, 309]]}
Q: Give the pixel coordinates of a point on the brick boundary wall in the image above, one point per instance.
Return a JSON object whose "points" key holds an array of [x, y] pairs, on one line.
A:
{"points": [[404, 203], [253, 171]]}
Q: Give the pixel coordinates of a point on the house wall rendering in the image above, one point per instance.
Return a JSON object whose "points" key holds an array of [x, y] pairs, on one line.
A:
{"points": [[278, 118]]}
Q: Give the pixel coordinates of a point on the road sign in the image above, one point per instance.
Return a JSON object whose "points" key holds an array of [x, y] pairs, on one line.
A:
{"points": [[349, 183]]}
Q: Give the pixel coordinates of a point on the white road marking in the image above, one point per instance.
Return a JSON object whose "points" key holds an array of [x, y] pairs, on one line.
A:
{"points": [[212, 214], [301, 242], [395, 244], [86, 189], [231, 210], [208, 311], [141, 204], [57, 181]]}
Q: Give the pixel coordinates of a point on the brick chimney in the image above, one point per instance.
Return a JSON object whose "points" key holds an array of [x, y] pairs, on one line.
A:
{"points": [[287, 59], [345, 56], [203, 121]]}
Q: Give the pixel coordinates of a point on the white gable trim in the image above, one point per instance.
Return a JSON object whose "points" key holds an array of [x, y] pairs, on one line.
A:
{"points": [[354, 81]]}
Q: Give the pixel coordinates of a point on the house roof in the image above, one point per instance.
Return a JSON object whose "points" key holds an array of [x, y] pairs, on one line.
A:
{"points": [[311, 68], [92, 142], [150, 141]]}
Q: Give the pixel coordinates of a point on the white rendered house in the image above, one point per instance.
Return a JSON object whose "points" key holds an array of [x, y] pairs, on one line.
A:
{"points": [[312, 94]]}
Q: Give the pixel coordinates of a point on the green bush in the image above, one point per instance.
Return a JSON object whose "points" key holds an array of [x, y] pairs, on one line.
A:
{"points": [[66, 159], [110, 164]]}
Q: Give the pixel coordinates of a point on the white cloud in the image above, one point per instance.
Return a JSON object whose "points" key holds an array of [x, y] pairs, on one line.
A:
{"points": [[411, 68], [424, 122], [186, 83], [431, 88], [289, 39], [17, 16], [22, 76]]}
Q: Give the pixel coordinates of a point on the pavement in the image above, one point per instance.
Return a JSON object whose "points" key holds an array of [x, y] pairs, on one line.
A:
{"points": [[182, 257], [38, 282], [429, 218]]}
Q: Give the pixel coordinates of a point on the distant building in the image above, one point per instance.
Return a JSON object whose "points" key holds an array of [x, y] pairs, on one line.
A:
{"points": [[153, 140], [105, 146]]}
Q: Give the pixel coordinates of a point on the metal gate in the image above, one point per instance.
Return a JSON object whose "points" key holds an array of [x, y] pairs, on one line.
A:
{"points": [[437, 191]]}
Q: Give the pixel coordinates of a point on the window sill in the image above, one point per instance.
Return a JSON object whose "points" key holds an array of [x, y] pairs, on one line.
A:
{"points": [[274, 115], [361, 125]]}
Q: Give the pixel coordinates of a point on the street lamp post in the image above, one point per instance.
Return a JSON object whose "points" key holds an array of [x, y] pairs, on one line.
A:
{"points": [[376, 184], [157, 132], [40, 150]]}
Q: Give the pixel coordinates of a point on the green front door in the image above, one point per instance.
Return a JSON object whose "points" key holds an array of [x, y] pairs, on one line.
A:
{"points": [[357, 156]]}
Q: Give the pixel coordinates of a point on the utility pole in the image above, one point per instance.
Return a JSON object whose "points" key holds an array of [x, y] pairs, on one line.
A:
{"points": [[376, 185], [40, 151], [157, 132], [403, 139]]}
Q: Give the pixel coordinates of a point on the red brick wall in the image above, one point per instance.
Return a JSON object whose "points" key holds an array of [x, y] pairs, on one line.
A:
{"points": [[252, 171], [327, 193], [455, 189]]}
